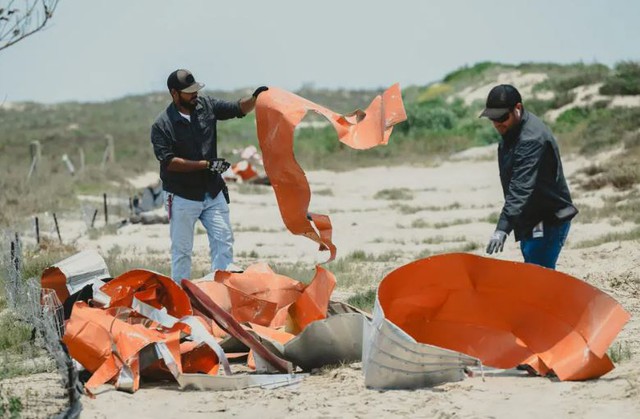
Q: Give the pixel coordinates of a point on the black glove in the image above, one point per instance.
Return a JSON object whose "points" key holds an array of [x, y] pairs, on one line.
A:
{"points": [[218, 165], [259, 90], [496, 243]]}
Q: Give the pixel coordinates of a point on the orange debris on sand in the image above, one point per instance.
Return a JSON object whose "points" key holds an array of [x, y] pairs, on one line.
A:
{"points": [[505, 313]]}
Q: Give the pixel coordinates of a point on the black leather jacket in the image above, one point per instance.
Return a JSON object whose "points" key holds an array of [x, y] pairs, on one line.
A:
{"points": [[533, 182], [174, 136]]}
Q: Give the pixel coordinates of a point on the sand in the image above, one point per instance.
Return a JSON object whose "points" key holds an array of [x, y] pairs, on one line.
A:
{"points": [[452, 200]]}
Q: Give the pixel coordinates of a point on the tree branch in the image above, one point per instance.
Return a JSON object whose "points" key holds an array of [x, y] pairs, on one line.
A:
{"points": [[24, 19]]}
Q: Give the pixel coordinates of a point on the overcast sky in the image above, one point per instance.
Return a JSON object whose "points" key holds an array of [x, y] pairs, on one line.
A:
{"points": [[98, 50]]}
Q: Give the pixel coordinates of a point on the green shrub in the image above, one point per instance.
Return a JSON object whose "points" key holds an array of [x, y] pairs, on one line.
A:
{"points": [[433, 115], [572, 117], [466, 73], [572, 76], [364, 300], [624, 81]]}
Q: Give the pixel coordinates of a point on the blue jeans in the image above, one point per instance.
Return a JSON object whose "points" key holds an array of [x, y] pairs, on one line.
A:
{"points": [[544, 251], [213, 213]]}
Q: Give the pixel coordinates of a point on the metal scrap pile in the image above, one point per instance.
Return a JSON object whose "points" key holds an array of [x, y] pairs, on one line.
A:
{"points": [[144, 324], [433, 319]]}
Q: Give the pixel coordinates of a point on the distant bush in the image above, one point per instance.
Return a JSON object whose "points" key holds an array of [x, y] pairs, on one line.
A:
{"points": [[432, 115], [572, 76], [434, 91], [572, 117], [607, 127], [624, 81], [466, 73]]}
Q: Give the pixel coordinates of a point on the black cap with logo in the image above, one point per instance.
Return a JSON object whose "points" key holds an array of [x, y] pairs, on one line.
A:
{"points": [[183, 81], [501, 99]]}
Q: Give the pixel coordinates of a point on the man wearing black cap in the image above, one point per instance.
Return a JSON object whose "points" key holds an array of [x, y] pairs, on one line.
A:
{"points": [[538, 206], [184, 141]]}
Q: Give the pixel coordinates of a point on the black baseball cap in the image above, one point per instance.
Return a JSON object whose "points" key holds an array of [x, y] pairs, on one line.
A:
{"points": [[501, 99], [183, 81]]}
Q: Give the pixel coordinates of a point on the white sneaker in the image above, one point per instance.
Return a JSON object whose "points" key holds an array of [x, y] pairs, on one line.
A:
{"points": [[232, 267]]}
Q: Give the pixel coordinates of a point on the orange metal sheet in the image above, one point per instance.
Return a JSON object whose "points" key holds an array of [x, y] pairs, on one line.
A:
{"points": [[105, 345], [505, 313], [314, 301], [244, 170], [278, 112], [151, 288], [204, 304], [261, 296]]}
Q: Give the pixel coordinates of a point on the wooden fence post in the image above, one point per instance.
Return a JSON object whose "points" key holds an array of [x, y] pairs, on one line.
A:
{"points": [[69, 164], [81, 152], [36, 154], [109, 155]]}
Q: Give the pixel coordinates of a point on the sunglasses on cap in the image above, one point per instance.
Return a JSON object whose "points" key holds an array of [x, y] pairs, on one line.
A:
{"points": [[502, 118]]}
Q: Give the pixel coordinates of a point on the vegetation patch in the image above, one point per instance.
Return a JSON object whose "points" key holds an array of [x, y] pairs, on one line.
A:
{"points": [[611, 237], [619, 352], [364, 300], [625, 80], [394, 194]]}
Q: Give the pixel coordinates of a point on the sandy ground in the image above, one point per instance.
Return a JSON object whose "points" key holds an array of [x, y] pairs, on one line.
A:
{"points": [[449, 206]]}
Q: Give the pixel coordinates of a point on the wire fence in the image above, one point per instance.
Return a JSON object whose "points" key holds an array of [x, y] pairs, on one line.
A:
{"points": [[37, 377]]}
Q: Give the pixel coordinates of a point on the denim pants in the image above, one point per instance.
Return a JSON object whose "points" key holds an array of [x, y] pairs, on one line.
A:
{"points": [[213, 213], [544, 251]]}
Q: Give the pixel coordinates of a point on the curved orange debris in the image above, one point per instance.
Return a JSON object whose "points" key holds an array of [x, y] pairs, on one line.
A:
{"points": [[261, 296], [105, 345], [244, 170], [505, 313], [278, 112], [150, 287]]}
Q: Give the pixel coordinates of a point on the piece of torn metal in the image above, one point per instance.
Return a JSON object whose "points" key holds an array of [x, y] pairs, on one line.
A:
{"points": [[204, 304], [109, 347], [391, 359], [278, 112], [259, 295], [334, 340], [503, 313], [74, 273], [237, 382]]}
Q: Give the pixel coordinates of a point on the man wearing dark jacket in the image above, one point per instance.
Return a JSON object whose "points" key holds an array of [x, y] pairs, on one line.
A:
{"points": [[538, 206], [184, 141]]}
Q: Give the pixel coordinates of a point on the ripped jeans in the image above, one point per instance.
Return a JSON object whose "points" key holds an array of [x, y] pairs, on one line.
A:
{"points": [[214, 215]]}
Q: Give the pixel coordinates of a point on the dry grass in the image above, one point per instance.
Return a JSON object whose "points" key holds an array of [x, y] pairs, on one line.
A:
{"points": [[608, 238], [394, 194]]}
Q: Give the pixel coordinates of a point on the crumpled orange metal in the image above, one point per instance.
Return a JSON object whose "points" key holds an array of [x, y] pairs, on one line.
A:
{"points": [[105, 345], [505, 313], [261, 296], [150, 287], [244, 170], [278, 112]]}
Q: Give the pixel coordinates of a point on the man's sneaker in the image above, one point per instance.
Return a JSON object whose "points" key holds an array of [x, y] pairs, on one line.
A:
{"points": [[232, 267]]}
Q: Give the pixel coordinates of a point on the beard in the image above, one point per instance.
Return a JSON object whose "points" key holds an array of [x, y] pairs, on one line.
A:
{"points": [[188, 104]]}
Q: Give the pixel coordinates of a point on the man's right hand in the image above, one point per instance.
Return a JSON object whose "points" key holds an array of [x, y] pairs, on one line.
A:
{"points": [[218, 165], [496, 243]]}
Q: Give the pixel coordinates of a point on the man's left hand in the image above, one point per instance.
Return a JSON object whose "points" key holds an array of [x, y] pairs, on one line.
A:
{"points": [[496, 243]]}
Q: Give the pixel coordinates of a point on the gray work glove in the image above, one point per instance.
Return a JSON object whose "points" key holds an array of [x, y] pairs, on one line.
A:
{"points": [[218, 165], [496, 243]]}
